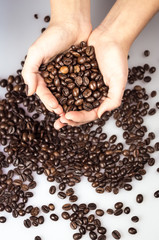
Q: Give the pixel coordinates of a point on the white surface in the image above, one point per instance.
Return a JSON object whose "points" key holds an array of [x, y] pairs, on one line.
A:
{"points": [[18, 29]]}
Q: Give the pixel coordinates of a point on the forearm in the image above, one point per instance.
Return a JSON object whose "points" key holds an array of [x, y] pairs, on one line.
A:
{"points": [[127, 18], [70, 9]]}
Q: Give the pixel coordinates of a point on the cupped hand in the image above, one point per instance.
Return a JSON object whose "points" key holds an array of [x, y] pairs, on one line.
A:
{"points": [[112, 59], [55, 39]]}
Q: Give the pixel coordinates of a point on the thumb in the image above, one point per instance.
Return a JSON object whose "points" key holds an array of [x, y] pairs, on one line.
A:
{"points": [[31, 69]]}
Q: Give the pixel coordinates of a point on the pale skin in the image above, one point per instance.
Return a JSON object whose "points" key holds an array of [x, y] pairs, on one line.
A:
{"points": [[70, 24]]}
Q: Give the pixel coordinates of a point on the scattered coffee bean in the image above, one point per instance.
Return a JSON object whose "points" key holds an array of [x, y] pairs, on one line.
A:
{"points": [[99, 212], [47, 18], [135, 219], [146, 53], [116, 234], [156, 194], [139, 198], [54, 217], [132, 230], [37, 238]]}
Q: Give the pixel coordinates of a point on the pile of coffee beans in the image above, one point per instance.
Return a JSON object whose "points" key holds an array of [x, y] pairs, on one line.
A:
{"points": [[33, 146], [75, 79], [79, 219]]}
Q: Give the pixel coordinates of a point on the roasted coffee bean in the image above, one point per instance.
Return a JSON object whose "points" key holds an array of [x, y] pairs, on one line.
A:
{"points": [[69, 192], [41, 220], [118, 212], [156, 194], [61, 195], [35, 211], [146, 53], [36, 16], [37, 238], [152, 70], [127, 187], [65, 215], [135, 219], [101, 230], [3, 219], [139, 198], [45, 209], [132, 230], [126, 210], [153, 94], [47, 18], [54, 217], [66, 207], [73, 198], [118, 205], [77, 236], [27, 223], [99, 212], [73, 225], [52, 190], [116, 234], [93, 235], [157, 105], [110, 211], [147, 79], [92, 206]]}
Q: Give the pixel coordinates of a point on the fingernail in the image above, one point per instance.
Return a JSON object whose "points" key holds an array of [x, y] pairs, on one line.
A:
{"points": [[26, 89]]}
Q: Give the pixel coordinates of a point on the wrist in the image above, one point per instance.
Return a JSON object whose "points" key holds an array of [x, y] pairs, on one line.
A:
{"points": [[70, 10]]}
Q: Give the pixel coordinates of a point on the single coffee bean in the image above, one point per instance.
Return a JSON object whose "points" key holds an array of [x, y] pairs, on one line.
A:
{"points": [[156, 194], [157, 105], [47, 18], [139, 198], [152, 70], [92, 206], [132, 230], [66, 207], [36, 16], [146, 53], [27, 223], [118, 212], [51, 207], [110, 211], [135, 219], [41, 220], [99, 212], [37, 238], [3, 219], [153, 94], [118, 205], [45, 209], [126, 210], [65, 215], [52, 190], [77, 236], [73, 198], [54, 217], [73, 225], [61, 195], [116, 234]]}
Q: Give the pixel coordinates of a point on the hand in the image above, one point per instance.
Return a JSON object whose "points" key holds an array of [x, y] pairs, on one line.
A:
{"points": [[64, 30], [112, 60]]}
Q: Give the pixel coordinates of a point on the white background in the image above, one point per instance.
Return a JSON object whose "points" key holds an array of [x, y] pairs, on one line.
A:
{"points": [[18, 29]]}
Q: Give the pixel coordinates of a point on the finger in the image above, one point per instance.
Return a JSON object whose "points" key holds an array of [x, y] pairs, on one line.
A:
{"points": [[114, 98], [58, 124], [47, 97], [82, 116], [30, 69], [70, 122]]}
